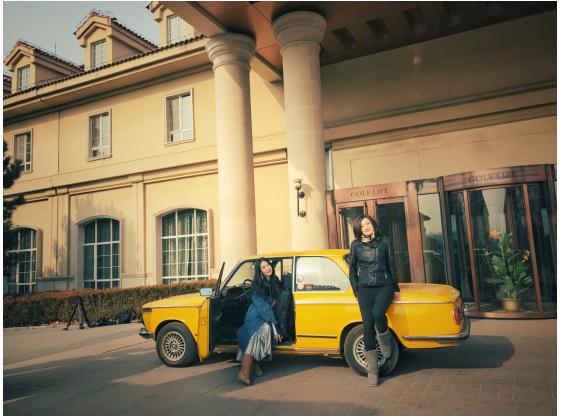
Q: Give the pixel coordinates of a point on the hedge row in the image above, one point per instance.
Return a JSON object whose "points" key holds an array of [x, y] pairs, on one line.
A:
{"points": [[52, 307]]}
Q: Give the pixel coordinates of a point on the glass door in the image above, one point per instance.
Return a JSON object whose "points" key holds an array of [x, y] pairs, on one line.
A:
{"points": [[347, 213], [391, 217], [499, 221]]}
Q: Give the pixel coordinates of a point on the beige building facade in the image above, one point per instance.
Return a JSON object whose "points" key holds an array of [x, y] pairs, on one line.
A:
{"points": [[159, 162]]}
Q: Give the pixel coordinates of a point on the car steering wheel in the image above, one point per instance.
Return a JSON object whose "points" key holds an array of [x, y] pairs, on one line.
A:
{"points": [[246, 289]]}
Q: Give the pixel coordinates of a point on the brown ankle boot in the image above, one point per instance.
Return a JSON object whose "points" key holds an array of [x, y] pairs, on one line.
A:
{"points": [[257, 369], [244, 375], [372, 368]]}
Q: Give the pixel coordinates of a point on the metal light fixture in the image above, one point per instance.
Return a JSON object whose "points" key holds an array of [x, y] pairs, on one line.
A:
{"points": [[300, 195]]}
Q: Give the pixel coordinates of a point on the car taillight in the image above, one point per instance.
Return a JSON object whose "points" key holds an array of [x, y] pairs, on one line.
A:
{"points": [[457, 315]]}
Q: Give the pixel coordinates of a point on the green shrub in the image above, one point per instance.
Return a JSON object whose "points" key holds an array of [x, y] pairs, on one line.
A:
{"points": [[49, 307]]}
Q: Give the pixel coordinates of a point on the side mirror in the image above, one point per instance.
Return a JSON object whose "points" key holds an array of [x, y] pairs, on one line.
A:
{"points": [[206, 291]]}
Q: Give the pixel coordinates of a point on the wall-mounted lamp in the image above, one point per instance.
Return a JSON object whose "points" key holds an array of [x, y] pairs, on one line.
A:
{"points": [[300, 195]]}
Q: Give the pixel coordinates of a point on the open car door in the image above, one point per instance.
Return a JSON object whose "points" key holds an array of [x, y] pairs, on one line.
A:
{"points": [[207, 327]]}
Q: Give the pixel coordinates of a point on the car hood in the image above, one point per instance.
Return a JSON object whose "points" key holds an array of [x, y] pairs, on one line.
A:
{"points": [[181, 301], [427, 293]]}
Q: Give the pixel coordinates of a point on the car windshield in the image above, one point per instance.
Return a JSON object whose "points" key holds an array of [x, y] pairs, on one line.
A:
{"points": [[244, 272]]}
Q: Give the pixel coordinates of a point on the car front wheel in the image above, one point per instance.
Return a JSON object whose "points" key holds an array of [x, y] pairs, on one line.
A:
{"points": [[354, 353], [175, 345]]}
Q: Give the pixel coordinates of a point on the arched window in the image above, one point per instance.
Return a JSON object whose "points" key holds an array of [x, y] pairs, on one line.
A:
{"points": [[185, 246], [101, 254], [23, 262]]}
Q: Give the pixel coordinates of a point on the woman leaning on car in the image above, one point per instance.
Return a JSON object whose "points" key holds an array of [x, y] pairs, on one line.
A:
{"points": [[373, 280]]}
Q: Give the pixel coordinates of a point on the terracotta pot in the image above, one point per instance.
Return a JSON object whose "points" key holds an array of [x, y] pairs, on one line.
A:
{"points": [[511, 305]]}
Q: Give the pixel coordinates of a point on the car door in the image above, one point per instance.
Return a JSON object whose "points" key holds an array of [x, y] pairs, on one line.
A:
{"points": [[324, 303]]}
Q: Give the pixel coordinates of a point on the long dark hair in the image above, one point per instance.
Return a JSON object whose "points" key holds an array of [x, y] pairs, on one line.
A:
{"points": [[262, 287], [357, 226]]}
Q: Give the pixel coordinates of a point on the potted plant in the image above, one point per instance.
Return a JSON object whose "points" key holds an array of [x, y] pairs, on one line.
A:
{"points": [[510, 270]]}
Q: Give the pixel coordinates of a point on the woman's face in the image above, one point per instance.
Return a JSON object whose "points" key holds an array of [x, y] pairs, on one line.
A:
{"points": [[367, 227], [266, 269]]}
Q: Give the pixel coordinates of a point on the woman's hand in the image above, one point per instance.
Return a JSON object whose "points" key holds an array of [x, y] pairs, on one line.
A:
{"points": [[278, 338], [396, 296]]}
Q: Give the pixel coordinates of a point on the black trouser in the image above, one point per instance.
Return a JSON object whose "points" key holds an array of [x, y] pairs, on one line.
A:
{"points": [[373, 303]]}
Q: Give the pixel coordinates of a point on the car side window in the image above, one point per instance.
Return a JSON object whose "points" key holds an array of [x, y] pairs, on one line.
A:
{"points": [[284, 270], [245, 271], [319, 274]]}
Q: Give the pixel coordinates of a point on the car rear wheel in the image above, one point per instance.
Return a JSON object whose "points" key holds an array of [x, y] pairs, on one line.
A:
{"points": [[175, 345], [354, 353]]}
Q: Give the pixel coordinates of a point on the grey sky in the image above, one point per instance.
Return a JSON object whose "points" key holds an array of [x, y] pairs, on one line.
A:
{"points": [[43, 22]]}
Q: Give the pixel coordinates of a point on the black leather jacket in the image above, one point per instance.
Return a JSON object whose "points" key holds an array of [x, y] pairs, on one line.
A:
{"points": [[372, 264]]}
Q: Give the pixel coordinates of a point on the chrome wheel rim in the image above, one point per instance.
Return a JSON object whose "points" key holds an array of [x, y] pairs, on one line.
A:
{"points": [[359, 352], [173, 346]]}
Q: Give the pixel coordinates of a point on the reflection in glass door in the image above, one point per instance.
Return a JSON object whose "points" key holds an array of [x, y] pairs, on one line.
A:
{"points": [[460, 253], [391, 218], [346, 217], [499, 214], [544, 245]]}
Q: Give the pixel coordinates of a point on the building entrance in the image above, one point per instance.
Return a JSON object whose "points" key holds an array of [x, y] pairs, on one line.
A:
{"points": [[456, 230], [395, 220]]}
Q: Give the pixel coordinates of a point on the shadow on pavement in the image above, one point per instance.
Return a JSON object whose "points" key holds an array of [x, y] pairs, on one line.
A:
{"points": [[478, 352]]}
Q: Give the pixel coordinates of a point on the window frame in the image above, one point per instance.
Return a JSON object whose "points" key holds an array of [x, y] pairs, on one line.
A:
{"points": [[36, 249], [181, 37], [95, 244], [160, 251], [89, 149], [93, 46], [27, 69], [168, 141], [15, 150]]}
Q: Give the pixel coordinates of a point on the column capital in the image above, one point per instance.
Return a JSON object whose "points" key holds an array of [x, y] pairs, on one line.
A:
{"points": [[231, 48], [299, 27]]}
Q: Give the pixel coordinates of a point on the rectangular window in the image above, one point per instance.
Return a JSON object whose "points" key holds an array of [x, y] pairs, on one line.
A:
{"points": [[22, 147], [185, 246], [23, 77], [99, 136], [98, 54], [177, 29], [180, 117]]}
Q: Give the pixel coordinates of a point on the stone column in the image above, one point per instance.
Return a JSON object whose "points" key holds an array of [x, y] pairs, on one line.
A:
{"points": [[231, 54], [299, 35]]}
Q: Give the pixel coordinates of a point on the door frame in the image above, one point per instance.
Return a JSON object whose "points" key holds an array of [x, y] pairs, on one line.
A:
{"points": [[371, 196]]}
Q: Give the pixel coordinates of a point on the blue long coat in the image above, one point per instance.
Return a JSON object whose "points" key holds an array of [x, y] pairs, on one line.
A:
{"points": [[258, 314]]}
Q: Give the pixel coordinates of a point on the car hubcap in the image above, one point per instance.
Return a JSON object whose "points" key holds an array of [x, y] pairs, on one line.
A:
{"points": [[173, 346], [359, 352]]}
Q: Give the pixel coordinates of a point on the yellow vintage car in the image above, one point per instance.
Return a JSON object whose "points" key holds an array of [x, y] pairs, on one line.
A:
{"points": [[317, 312]]}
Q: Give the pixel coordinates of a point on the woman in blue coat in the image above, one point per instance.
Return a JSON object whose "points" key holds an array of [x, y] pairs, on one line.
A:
{"points": [[260, 325]]}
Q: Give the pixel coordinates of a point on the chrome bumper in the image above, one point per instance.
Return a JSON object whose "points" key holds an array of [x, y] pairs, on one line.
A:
{"points": [[463, 335], [143, 332]]}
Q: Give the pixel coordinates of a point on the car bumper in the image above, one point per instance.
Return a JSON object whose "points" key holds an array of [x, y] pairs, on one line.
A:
{"points": [[461, 336], [143, 332]]}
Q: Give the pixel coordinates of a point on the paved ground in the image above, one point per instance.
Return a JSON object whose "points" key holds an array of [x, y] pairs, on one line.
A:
{"points": [[507, 367]]}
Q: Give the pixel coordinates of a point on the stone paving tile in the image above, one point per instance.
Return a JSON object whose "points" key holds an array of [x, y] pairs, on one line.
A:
{"points": [[413, 395], [522, 393], [535, 408], [404, 410]]}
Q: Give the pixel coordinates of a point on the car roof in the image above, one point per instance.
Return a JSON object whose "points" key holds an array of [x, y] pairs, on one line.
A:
{"points": [[324, 253]]}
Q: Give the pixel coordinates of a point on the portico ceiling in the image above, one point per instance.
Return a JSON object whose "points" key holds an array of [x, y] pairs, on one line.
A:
{"points": [[354, 29]]}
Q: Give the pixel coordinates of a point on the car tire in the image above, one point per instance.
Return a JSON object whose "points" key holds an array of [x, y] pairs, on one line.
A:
{"points": [[354, 352], [175, 345]]}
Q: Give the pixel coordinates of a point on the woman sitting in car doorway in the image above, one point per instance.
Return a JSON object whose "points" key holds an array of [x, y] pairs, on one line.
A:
{"points": [[260, 324]]}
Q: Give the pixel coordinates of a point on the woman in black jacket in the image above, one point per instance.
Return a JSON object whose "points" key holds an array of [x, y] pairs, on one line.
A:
{"points": [[373, 279]]}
